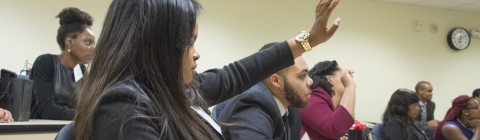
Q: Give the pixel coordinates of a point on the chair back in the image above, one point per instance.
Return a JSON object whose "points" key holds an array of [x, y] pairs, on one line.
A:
{"points": [[377, 131], [66, 133]]}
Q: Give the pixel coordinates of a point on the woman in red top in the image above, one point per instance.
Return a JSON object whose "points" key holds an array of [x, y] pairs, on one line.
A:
{"points": [[331, 104]]}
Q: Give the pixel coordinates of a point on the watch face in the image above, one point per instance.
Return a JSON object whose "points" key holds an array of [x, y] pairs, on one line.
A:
{"points": [[458, 38], [302, 36]]}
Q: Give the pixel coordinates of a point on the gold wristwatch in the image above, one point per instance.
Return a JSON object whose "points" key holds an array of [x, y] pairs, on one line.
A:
{"points": [[302, 38]]}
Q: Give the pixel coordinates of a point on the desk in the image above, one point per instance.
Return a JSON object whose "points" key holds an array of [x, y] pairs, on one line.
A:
{"points": [[33, 129]]}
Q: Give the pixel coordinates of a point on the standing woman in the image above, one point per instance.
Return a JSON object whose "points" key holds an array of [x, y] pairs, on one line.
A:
{"points": [[55, 77], [145, 61]]}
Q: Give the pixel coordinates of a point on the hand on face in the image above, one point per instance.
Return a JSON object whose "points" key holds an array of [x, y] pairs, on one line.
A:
{"points": [[475, 123], [320, 32], [347, 78]]}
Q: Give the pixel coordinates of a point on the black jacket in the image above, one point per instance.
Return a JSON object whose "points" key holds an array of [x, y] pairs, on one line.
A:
{"points": [[394, 129], [430, 111], [254, 115], [126, 99]]}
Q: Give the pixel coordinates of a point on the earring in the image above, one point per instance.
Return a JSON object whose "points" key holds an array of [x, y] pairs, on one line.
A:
{"points": [[466, 114], [68, 49]]}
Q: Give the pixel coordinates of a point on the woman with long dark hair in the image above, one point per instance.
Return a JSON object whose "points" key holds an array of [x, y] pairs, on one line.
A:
{"points": [[462, 121], [331, 103], [399, 117], [143, 84]]}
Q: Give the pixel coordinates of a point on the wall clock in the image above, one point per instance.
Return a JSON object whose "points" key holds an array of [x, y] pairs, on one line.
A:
{"points": [[458, 38]]}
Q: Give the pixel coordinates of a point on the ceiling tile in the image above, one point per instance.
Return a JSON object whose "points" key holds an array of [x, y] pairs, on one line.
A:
{"points": [[403, 1], [439, 4], [460, 1], [468, 8], [457, 5], [477, 3]]}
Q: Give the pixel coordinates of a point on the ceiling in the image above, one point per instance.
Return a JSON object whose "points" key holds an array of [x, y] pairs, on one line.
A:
{"points": [[471, 6]]}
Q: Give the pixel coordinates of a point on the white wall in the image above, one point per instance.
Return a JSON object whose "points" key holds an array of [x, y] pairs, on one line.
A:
{"points": [[375, 39], [28, 28]]}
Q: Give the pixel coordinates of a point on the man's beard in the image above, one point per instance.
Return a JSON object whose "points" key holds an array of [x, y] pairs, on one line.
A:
{"points": [[292, 96]]}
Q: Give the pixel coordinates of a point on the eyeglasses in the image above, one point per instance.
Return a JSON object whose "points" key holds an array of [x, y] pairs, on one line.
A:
{"points": [[478, 107]]}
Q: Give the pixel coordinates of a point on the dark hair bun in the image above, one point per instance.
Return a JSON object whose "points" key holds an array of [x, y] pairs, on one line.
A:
{"points": [[74, 15]]}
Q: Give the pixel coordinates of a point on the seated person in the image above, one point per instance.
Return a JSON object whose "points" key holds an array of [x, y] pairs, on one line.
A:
{"points": [[331, 104], [427, 108], [399, 117], [140, 86], [476, 94], [55, 77], [462, 121], [5, 116], [268, 110]]}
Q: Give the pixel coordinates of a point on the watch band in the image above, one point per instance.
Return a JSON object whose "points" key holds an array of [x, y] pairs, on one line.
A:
{"points": [[306, 45], [302, 38]]}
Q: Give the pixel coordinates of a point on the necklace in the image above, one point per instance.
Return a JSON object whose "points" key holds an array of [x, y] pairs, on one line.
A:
{"points": [[471, 129]]}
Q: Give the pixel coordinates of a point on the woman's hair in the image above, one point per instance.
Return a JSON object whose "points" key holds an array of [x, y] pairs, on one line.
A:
{"points": [[143, 42], [458, 104], [398, 107], [319, 74], [72, 22]]}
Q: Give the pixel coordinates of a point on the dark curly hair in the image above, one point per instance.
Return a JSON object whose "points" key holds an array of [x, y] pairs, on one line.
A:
{"points": [[72, 22], [319, 74]]}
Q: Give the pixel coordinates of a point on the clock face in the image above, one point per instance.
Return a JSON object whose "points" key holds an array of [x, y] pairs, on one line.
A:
{"points": [[458, 38]]}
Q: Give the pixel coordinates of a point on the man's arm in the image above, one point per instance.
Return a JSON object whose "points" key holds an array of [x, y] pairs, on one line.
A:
{"points": [[430, 115], [431, 111], [423, 123]]}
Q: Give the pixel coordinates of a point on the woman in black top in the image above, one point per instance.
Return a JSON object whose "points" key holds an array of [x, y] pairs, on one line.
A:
{"points": [[145, 62], [55, 77], [398, 119]]}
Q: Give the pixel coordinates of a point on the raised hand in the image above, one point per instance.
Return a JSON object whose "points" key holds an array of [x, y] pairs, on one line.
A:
{"points": [[320, 32]]}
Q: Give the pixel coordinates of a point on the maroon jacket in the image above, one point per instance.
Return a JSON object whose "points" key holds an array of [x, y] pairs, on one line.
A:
{"points": [[321, 121]]}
